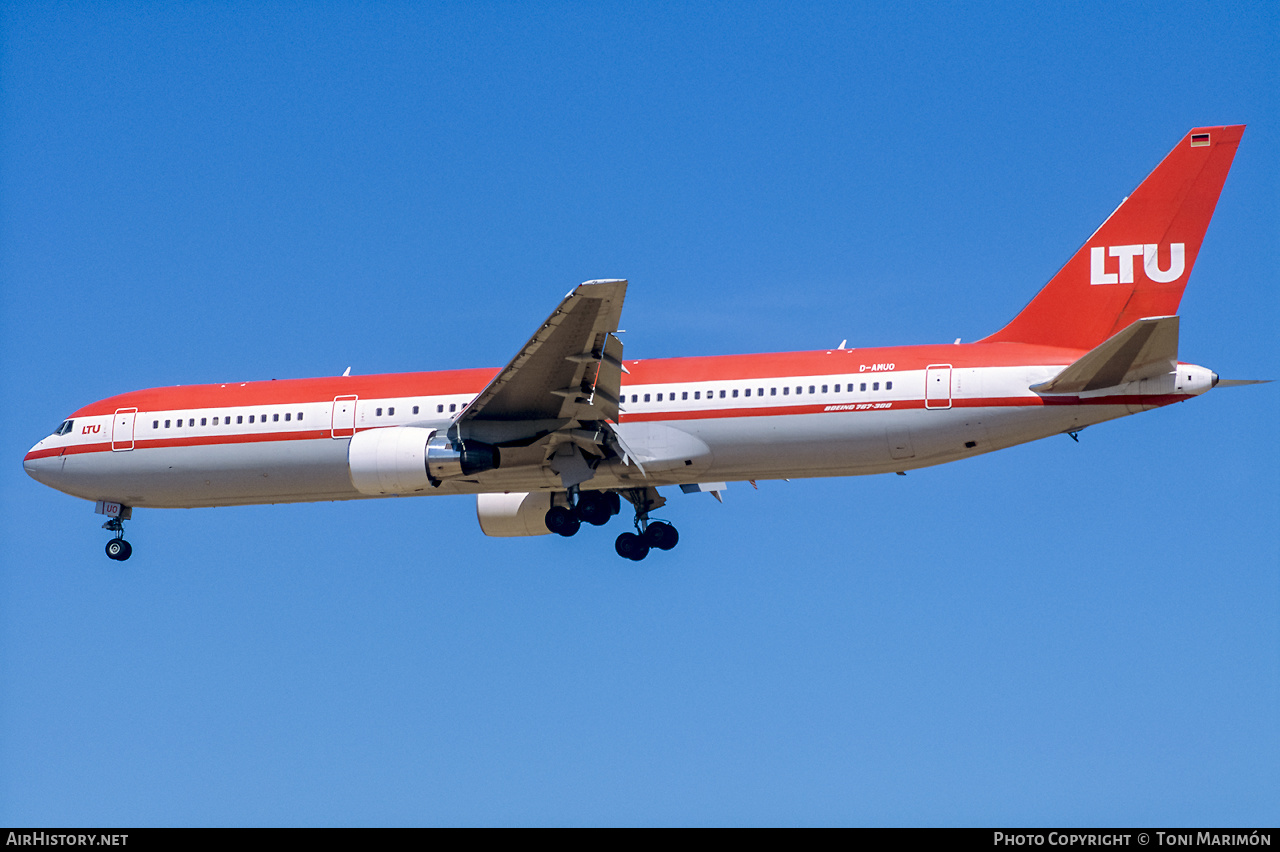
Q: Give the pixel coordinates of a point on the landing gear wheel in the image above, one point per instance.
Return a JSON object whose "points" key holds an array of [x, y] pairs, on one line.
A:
{"points": [[614, 502], [593, 508], [119, 549], [661, 535], [562, 521], [631, 546]]}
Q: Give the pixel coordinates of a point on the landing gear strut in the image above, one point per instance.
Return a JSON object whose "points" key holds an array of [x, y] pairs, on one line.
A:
{"points": [[117, 549]]}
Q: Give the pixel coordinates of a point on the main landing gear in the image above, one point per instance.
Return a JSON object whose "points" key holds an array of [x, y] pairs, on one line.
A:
{"points": [[659, 534], [592, 507], [597, 507], [117, 549]]}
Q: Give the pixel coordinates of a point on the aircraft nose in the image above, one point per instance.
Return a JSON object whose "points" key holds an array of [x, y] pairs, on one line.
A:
{"points": [[38, 465]]}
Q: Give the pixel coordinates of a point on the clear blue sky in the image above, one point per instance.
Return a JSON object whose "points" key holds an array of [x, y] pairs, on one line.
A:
{"points": [[1052, 634]]}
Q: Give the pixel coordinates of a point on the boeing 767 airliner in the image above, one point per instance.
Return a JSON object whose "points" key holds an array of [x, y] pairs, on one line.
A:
{"points": [[568, 428]]}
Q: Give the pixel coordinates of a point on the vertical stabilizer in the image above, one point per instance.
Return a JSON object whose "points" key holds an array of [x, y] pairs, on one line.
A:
{"points": [[1137, 263]]}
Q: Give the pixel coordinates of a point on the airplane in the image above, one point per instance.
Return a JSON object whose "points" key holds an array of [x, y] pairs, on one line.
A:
{"points": [[568, 429]]}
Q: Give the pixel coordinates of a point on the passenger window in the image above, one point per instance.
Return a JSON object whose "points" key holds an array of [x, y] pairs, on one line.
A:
{"points": [[786, 390], [415, 411], [377, 412], [759, 391], [773, 391], [250, 418], [697, 394], [722, 394], [837, 389], [191, 422], [888, 385], [155, 424], [635, 397], [875, 386], [275, 418], [299, 415], [824, 388], [799, 390], [735, 393], [215, 421], [453, 406], [166, 424], [747, 392], [863, 386], [239, 418], [646, 397], [391, 412], [659, 397], [684, 395], [440, 409], [288, 415]]}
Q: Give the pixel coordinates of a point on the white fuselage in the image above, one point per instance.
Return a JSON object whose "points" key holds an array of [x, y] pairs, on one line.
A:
{"points": [[847, 412]]}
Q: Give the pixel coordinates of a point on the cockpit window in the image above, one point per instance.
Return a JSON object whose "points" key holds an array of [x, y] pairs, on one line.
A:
{"points": [[65, 427]]}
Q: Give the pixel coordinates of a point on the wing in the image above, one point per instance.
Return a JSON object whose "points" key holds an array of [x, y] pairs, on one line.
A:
{"points": [[556, 402], [571, 369]]}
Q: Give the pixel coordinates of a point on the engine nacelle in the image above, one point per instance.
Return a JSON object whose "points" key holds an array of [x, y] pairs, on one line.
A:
{"points": [[411, 459], [514, 514]]}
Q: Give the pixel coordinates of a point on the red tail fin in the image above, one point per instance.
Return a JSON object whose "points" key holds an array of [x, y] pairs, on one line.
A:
{"points": [[1137, 263]]}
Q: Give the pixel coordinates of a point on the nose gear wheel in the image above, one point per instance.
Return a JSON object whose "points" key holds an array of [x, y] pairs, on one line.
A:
{"points": [[117, 549]]}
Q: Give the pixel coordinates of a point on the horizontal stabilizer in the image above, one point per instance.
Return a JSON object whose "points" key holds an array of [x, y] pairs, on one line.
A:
{"points": [[1142, 350]]}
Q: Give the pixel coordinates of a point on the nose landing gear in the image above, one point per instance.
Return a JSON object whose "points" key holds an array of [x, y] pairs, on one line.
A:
{"points": [[117, 549]]}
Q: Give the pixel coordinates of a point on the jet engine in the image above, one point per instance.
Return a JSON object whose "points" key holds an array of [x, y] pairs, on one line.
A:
{"points": [[513, 514], [410, 459]]}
